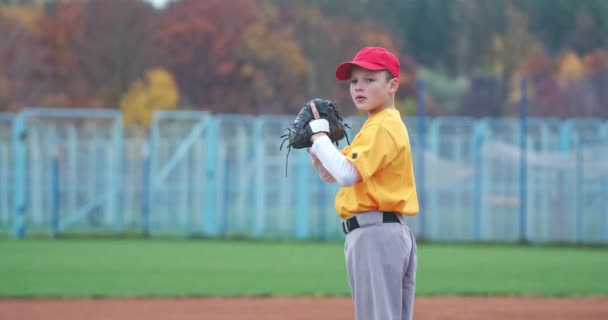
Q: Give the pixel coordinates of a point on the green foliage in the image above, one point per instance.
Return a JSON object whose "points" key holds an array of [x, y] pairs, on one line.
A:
{"points": [[427, 30], [407, 107], [448, 91], [555, 21], [509, 49]]}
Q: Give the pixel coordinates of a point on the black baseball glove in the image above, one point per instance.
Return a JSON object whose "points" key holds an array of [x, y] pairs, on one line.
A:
{"points": [[298, 135]]}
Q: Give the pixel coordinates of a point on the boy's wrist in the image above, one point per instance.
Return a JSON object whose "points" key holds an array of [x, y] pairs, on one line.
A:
{"points": [[316, 136]]}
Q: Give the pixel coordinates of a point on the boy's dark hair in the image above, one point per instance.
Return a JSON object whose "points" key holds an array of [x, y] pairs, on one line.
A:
{"points": [[388, 75]]}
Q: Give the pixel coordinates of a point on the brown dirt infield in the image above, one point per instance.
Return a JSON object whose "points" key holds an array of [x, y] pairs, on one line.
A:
{"points": [[427, 308]]}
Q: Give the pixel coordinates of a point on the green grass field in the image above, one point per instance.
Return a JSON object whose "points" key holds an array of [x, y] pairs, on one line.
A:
{"points": [[107, 267]]}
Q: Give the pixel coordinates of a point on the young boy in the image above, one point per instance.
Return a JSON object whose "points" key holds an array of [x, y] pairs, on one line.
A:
{"points": [[377, 188]]}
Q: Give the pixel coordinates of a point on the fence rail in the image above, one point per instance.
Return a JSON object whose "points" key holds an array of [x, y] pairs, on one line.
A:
{"points": [[192, 173]]}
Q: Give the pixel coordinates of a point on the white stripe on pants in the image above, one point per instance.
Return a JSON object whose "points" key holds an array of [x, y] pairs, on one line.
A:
{"points": [[381, 267]]}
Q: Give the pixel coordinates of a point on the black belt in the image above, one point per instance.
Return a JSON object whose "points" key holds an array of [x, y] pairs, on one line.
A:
{"points": [[351, 223]]}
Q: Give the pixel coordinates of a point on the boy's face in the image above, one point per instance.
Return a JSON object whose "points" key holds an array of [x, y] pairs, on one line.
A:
{"points": [[372, 91]]}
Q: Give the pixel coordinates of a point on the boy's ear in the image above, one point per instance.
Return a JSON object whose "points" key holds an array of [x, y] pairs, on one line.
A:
{"points": [[394, 84]]}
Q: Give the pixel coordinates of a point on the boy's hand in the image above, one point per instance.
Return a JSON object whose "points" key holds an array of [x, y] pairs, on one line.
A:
{"points": [[317, 136], [318, 126]]}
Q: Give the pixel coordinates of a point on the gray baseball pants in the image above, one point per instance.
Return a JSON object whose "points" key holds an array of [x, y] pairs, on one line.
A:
{"points": [[381, 267]]}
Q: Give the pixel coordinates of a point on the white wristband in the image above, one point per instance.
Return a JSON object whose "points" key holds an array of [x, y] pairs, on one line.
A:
{"points": [[319, 125]]}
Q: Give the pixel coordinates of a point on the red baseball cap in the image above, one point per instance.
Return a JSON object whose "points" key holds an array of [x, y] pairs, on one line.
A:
{"points": [[370, 58]]}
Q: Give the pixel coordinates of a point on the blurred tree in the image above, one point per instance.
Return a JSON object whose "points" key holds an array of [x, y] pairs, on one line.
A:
{"points": [[484, 97], [156, 91], [583, 38], [9, 31], [507, 51], [535, 68], [272, 59], [558, 23], [565, 86], [421, 27], [447, 91], [23, 14], [196, 42], [116, 46], [454, 36], [60, 77], [92, 50], [569, 67], [542, 85], [327, 41], [425, 28], [479, 23], [516, 44], [450, 36], [596, 85], [232, 56], [310, 30], [596, 62], [17, 55]]}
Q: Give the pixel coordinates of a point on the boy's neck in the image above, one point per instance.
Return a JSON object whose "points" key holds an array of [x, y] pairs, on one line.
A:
{"points": [[389, 106]]}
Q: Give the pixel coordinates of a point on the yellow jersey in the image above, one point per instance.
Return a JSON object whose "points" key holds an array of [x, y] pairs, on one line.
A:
{"points": [[381, 153]]}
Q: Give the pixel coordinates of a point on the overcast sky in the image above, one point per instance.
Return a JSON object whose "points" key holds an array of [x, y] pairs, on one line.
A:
{"points": [[157, 3]]}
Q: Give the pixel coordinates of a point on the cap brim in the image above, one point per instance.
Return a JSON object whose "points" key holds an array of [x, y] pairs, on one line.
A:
{"points": [[343, 70]]}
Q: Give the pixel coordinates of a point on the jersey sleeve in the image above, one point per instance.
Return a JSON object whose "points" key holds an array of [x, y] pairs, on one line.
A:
{"points": [[371, 151], [345, 150]]}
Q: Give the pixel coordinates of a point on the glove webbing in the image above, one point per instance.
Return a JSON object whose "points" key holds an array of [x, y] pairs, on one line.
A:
{"points": [[315, 114]]}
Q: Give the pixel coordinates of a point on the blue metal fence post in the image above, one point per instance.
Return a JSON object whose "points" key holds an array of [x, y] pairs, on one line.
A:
{"points": [[154, 163], [209, 181], [94, 216], [421, 151], [478, 141], [1, 183], [224, 224], [523, 175], [55, 193], [604, 186], [145, 188], [579, 184], [431, 199], [117, 186], [259, 193], [19, 178]]}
